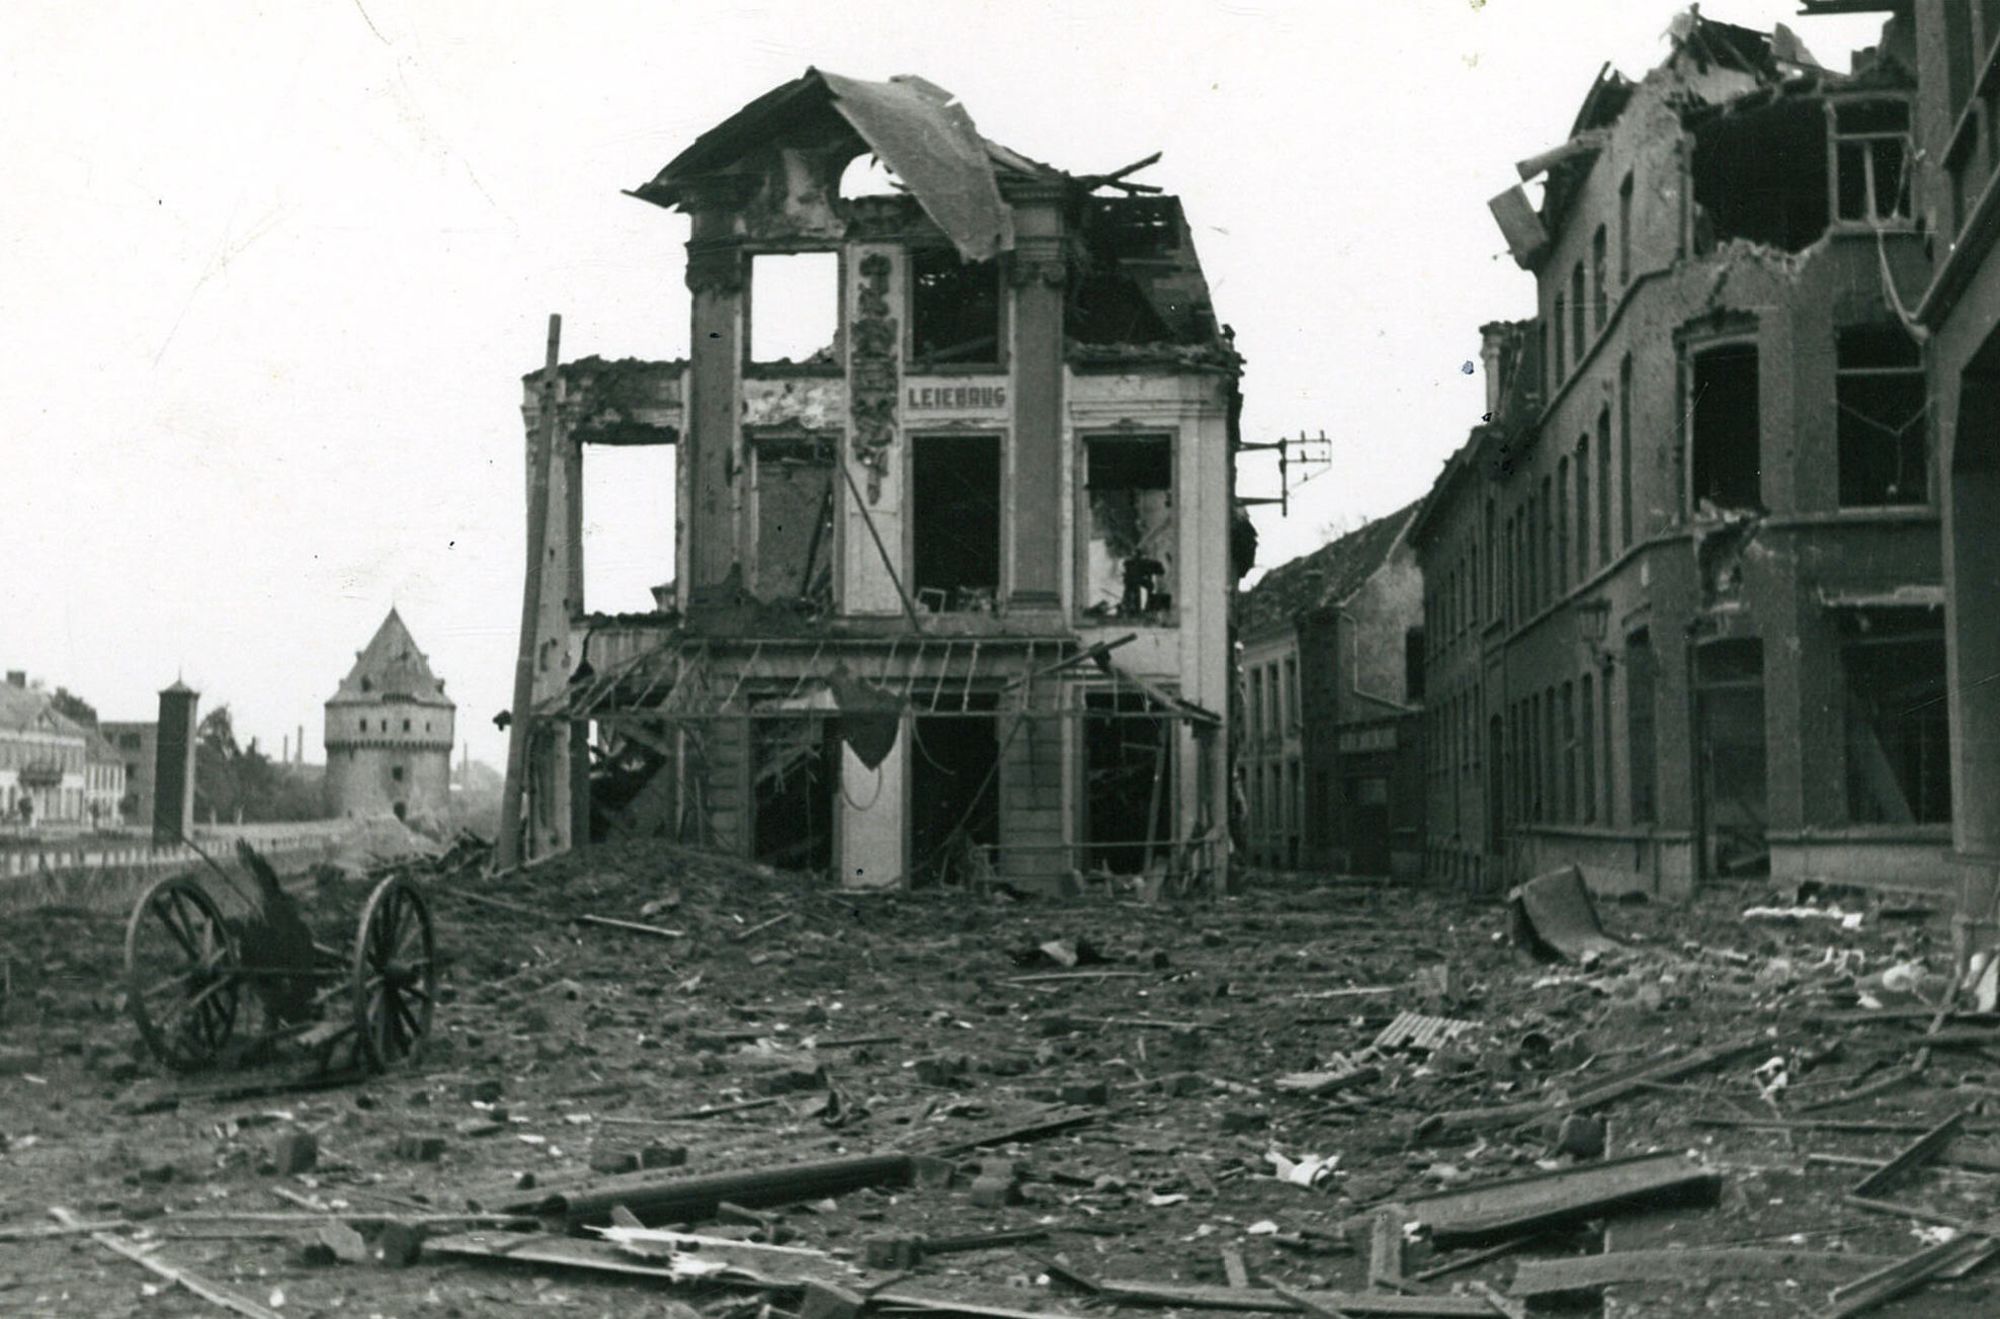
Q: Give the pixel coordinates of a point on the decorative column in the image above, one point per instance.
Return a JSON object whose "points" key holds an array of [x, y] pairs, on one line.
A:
{"points": [[1038, 273]]}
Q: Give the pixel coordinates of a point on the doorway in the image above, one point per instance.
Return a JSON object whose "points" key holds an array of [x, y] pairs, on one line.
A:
{"points": [[1730, 801], [954, 790]]}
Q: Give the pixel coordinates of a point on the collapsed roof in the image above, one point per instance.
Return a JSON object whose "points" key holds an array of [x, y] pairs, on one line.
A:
{"points": [[916, 128], [1324, 578]]}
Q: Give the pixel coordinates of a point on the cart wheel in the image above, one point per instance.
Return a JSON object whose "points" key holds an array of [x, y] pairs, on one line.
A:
{"points": [[395, 973], [183, 974]]}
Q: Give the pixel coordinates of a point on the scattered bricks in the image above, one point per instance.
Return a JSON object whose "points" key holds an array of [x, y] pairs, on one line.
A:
{"points": [[892, 1252], [487, 1091], [943, 1068], [613, 1162], [1237, 1120], [1581, 1136], [343, 1243], [791, 1080], [1179, 1085], [826, 1300], [293, 1153], [1086, 1092], [663, 1156], [420, 1149], [994, 1193], [932, 1174], [399, 1245]]}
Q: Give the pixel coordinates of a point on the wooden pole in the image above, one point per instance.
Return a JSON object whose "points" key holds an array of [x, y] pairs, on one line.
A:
{"points": [[507, 847]]}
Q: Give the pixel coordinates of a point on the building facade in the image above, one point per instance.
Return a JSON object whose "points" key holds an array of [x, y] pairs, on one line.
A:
{"points": [[44, 771], [953, 573], [1958, 132], [1326, 747], [390, 729], [137, 746], [1683, 591]]}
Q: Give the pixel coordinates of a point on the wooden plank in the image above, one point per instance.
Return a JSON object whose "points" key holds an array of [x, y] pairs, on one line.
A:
{"points": [[1477, 1214], [686, 1199], [1542, 1277], [1920, 1151], [208, 1291], [1234, 1268], [1196, 1296], [1902, 1277]]}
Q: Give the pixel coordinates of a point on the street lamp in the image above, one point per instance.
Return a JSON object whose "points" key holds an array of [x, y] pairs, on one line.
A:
{"points": [[1592, 618]]}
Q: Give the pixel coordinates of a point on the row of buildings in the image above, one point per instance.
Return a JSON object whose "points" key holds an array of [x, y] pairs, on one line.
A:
{"points": [[1708, 590]]}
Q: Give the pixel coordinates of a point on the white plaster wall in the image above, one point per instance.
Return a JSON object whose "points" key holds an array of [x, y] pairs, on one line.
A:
{"points": [[872, 817]]}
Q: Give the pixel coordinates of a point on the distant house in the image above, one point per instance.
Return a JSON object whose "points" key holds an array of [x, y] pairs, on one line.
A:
{"points": [[136, 745], [43, 776], [1328, 763]]}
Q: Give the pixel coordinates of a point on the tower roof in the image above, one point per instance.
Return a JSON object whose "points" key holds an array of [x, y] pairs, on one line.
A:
{"points": [[391, 669]]}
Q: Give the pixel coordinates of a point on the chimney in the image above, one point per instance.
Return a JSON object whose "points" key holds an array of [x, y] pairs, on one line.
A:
{"points": [[1493, 338], [285, 749], [300, 745], [17, 677]]}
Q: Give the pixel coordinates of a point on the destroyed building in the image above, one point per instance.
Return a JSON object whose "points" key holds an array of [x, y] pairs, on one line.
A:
{"points": [[1328, 747], [389, 732], [1683, 584], [1958, 136], [952, 567]]}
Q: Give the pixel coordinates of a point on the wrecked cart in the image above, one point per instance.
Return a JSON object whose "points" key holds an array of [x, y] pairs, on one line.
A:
{"points": [[223, 973]]}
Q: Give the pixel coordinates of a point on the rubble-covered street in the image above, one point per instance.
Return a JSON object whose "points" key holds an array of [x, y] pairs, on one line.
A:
{"points": [[1112, 1103]]}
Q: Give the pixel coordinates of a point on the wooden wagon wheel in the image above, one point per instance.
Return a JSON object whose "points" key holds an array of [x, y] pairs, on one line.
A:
{"points": [[395, 973], [183, 973]]}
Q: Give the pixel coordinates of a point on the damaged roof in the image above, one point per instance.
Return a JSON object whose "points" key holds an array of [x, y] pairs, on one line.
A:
{"points": [[917, 129], [1325, 577]]}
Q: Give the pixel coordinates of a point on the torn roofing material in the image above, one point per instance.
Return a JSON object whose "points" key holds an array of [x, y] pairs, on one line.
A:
{"points": [[918, 130]]}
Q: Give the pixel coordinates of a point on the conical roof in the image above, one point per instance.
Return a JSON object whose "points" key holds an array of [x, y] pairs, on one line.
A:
{"points": [[391, 669]]}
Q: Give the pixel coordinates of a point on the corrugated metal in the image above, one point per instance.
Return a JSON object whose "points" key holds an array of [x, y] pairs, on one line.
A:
{"points": [[1413, 1030]]}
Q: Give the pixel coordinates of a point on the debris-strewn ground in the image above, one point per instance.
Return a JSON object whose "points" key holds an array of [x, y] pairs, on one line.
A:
{"points": [[823, 1024]]}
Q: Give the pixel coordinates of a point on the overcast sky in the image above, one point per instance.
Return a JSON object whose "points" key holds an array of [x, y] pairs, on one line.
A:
{"points": [[270, 276]]}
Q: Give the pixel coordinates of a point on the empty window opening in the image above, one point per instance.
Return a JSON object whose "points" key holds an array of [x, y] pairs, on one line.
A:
{"points": [[1625, 230], [1898, 736], [396, 773], [1639, 683], [1130, 550], [1126, 289], [402, 810], [1600, 292], [628, 526], [955, 522], [1129, 783], [1871, 160], [795, 772], [955, 790], [1723, 409], [793, 491], [1879, 389], [406, 725], [1760, 175], [1579, 334], [954, 309], [794, 308]]}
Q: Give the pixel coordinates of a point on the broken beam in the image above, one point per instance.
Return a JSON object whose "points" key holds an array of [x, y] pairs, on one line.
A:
{"points": [[180, 1277], [1477, 1214], [687, 1199], [1920, 1151]]}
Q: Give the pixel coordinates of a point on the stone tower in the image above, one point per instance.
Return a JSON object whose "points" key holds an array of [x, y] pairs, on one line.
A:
{"points": [[389, 732], [173, 765]]}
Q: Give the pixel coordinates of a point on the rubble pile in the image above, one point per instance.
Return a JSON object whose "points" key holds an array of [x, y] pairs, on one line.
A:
{"points": [[661, 1080]]}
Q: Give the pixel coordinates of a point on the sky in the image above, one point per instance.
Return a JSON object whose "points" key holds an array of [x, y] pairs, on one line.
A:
{"points": [[270, 276]]}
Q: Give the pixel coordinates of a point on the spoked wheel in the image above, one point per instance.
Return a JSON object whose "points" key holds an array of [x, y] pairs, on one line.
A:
{"points": [[395, 973], [183, 974]]}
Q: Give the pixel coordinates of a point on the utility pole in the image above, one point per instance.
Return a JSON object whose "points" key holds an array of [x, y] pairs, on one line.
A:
{"points": [[1311, 455]]}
